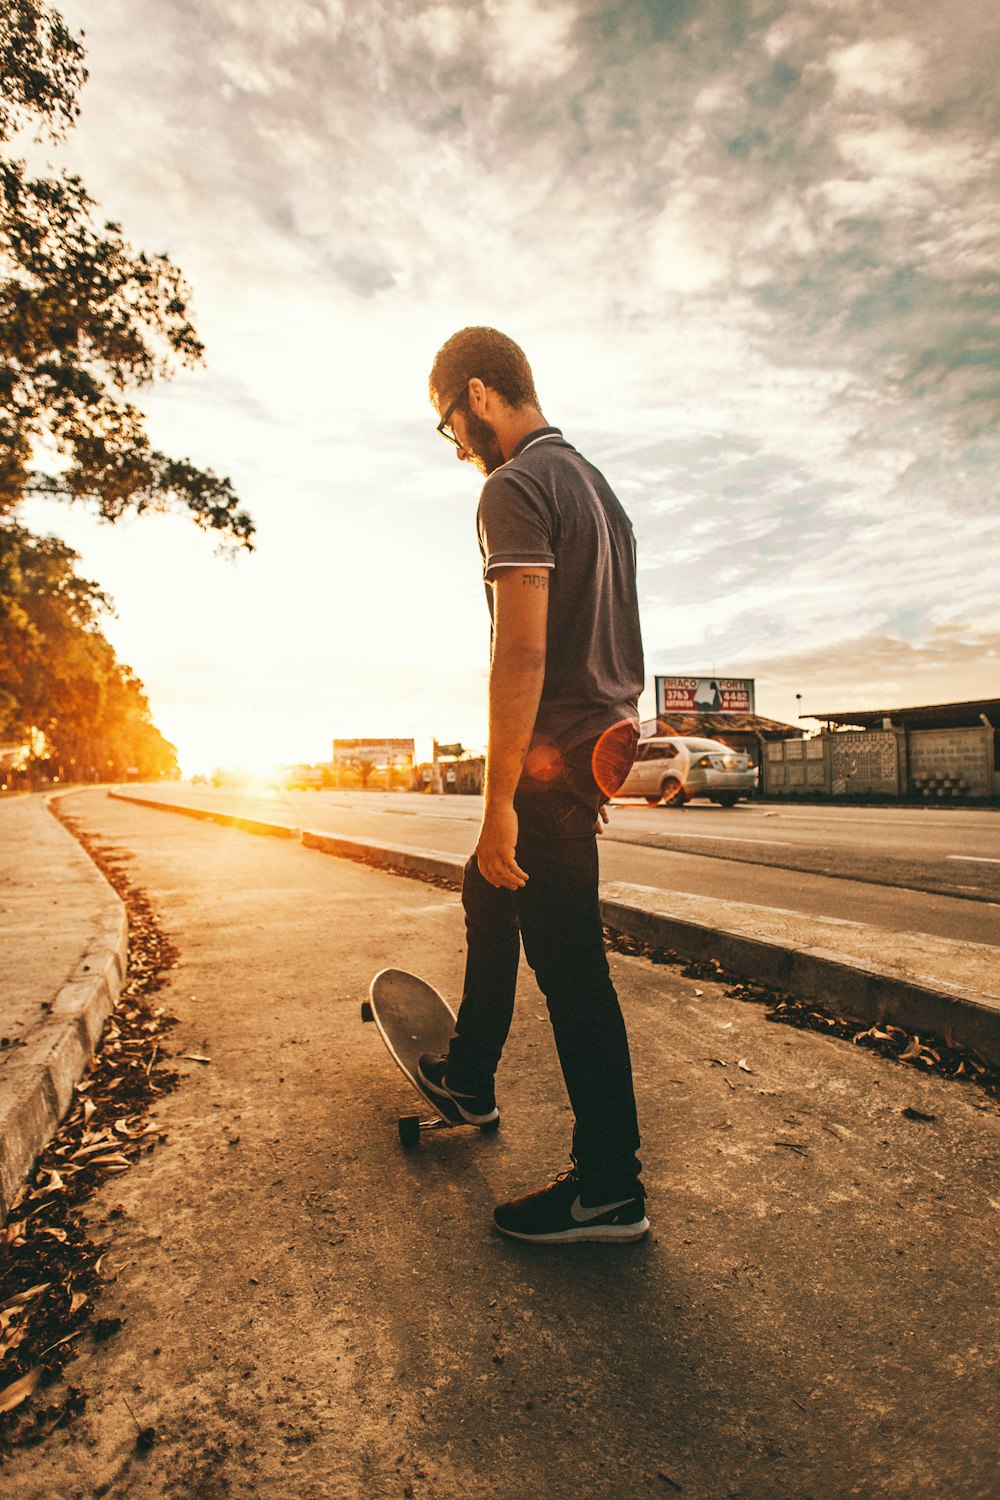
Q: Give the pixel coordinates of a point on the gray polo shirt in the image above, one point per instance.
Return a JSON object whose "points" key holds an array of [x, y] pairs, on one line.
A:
{"points": [[547, 507]]}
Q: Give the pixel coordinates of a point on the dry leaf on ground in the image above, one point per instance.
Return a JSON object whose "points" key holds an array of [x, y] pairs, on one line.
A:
{"points": [[20, 1390]]}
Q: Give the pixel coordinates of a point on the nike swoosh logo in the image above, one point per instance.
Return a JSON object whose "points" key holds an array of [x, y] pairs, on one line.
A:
{"points": [[584, 1215]]}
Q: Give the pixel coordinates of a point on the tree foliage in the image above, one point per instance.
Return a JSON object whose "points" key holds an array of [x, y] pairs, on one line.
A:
{"points": [[61, 685], [41, 68], [86, 321]]}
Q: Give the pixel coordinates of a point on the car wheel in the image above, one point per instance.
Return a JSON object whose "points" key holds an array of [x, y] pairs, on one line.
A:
{"points": [[654, 800], [673, 791], [728, 799]]}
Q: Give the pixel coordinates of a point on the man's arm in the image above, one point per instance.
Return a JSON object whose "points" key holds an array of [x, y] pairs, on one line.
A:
{"points": [[517, 671]]}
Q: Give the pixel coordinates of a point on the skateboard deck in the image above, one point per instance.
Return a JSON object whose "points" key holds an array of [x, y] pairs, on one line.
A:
{"points": [[412, 1018]]}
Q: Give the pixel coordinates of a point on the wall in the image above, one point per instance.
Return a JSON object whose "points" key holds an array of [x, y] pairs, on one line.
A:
{"points": [[863, 762], [936, 764], [947, 763], [795, 768]]}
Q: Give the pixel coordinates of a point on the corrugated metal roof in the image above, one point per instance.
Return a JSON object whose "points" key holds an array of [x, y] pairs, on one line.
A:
{"points": [[963, 715], [712, 726]]}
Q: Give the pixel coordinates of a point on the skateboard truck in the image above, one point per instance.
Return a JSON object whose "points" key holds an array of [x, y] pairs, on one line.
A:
{"points": [[410, 1126]]}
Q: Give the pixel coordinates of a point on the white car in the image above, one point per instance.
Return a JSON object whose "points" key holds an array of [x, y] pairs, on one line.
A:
{"points": [[672, 770]]}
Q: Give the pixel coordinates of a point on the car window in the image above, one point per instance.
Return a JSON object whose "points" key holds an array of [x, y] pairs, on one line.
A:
{"points": [[656, 750]]}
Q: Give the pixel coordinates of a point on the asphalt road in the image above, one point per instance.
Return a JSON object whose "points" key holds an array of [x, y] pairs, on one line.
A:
{"points": [[935, 871], [311, 1313]]}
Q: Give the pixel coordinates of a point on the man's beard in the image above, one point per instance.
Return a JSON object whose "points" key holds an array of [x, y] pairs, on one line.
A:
{"points": [[481, 442]]}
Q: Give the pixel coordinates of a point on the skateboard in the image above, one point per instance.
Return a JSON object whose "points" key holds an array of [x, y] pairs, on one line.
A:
{"points": [[413, 1018]]}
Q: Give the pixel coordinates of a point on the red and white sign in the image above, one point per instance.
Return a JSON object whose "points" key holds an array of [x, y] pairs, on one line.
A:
{"points": [[705, 695]]}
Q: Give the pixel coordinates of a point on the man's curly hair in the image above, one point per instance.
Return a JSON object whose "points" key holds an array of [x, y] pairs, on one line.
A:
{"points": [[493, 357]]}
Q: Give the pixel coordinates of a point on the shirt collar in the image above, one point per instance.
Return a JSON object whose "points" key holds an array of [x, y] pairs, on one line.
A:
{"points": [[534, 437]]}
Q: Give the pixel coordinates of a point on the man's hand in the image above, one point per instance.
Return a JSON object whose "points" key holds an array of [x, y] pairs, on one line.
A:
{"points": [[602, 817], [495, 849]]}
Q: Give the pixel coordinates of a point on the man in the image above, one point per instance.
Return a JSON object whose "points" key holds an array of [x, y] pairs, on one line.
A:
{"points": [[566, 671]]}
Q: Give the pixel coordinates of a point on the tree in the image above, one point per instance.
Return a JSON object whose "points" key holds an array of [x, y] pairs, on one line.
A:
{"points": [[84, 318], [61, 685]]}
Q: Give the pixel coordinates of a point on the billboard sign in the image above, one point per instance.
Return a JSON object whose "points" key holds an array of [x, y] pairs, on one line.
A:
{"points": [[705, 695], [379, 752]]}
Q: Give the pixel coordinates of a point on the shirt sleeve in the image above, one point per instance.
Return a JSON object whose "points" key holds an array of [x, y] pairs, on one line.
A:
{"points": [[515, 528]]}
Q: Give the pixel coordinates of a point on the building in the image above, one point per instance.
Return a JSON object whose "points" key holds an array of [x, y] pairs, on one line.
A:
{"points": [[941, 752], [465, 775]]}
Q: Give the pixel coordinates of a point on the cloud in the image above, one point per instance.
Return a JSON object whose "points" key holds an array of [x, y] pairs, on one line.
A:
{"points": [[890, 68], [883, 671], [751, 251], [550, 26]]}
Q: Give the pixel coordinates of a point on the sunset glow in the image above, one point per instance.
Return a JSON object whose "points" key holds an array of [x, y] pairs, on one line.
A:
{"points": [[740, 281]]}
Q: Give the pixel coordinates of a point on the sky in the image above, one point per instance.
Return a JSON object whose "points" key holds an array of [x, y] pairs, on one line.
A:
{"points": [[751, 249]]}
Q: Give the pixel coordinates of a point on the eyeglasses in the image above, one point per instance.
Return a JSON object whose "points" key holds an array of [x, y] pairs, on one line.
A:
{"points": [[443, 427]]}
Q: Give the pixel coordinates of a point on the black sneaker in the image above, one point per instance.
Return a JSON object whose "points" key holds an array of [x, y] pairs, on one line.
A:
{"points": [[555, 1214], [478, 1107]]}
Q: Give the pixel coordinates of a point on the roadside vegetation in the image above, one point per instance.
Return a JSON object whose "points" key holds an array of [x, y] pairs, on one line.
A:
{"points": [[77, 712]]}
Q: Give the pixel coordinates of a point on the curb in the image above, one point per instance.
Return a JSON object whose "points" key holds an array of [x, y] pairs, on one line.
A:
{"points": [[39, 1079], [865, 992], [206, 815], [431, 863], [870, 993]]}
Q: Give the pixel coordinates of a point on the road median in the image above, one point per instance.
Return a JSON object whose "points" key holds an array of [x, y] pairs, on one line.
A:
{"points": [[860, 971]]}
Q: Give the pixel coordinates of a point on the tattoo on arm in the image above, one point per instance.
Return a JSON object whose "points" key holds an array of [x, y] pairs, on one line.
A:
{"points": [[534, 581]]}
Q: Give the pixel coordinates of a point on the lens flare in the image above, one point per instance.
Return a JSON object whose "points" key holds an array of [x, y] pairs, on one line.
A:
{"points": [[543, 763], [612, 757]]}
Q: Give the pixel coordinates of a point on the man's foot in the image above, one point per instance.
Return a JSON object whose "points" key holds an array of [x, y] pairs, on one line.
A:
{"points": [[477, 1107], [556, 1214]]}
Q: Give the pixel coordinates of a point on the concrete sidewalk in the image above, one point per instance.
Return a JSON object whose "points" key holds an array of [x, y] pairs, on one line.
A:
{"points": [[309, 1312], [925, 984], [63, 948]]}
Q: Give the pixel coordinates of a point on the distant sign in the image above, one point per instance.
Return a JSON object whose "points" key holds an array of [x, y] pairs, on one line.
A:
{"points": [[705, 695], [379, 752]]}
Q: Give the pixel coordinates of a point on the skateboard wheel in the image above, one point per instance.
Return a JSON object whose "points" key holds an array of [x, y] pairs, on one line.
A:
{"points": [[409, 1129], [366, 1011]]}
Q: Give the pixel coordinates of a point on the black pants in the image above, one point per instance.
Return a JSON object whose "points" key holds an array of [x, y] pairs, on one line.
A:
{"points": [[557, 916]]}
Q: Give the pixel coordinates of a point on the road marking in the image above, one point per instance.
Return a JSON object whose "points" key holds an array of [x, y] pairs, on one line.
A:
{"points": [[722, 838], [973, 859]]}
